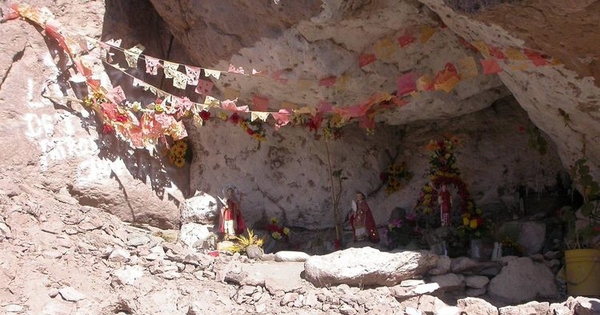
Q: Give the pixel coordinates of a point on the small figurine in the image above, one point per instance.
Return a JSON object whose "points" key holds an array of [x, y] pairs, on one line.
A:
{"points": [[445, 202], [361, 220], [231, 222]]}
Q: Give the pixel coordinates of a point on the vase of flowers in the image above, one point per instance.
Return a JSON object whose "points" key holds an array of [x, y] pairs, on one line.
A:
{"points": [[276, 233], [403, 232]]}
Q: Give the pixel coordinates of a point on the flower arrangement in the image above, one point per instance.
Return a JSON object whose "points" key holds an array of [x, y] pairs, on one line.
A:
{"points": [[403, 231], [278, 232], [178, 153], [394, 175], [474, 226], [443, 171]]}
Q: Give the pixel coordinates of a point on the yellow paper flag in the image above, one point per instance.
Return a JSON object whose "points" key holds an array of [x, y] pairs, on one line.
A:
{"points": [[448, 85], [289, 105], [467, 68], [515, 54], [483, 48], [384, 48], [426, 33]]}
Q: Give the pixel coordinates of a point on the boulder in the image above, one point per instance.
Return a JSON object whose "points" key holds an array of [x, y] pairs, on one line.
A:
{"points": [[367, 267], [477, 282], [193, 234], [523, 280], [531, 308], [477, 306], [443, 266], [449, 281], [291, 256], [202, 209]]}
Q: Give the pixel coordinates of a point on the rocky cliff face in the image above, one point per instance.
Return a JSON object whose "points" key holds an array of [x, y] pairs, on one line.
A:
{"points": [[301, 45]]}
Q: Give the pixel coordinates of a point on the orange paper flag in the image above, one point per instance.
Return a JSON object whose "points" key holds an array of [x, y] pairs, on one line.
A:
{"points": [[425, 83], [482, 47], [515, 54], [384, 48], [365, 59], [447, 79], [426, 33]]}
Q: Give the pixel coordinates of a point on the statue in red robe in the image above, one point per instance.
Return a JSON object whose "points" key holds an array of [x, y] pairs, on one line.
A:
{"points": [[231, 222], [361, 220], [445, 202]]}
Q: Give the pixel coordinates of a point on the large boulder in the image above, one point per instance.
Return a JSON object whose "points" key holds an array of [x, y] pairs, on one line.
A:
{"points": [[367, 266], [194, 235], [523, 280], [202, 208]]}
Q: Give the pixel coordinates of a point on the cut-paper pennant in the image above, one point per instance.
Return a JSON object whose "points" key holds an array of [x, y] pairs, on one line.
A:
{"points": [[520, 67], [495, 52], [152, 65], [289, 105], [117, 95], [192, 73], [426, 32], [282, 117], [365, 59], [447, 79], [211, 101], [231, 94], [330, 81], [324, 107], [341, 83], [406, 40], [468, 45], [259, 115], [467, 68], [231, 106], [170, 68], [536, 57], [482, 47], [133, 54], [260, 103], [304, 84], [384, 48], [305, 110], [406, 84], [180, 80], [233, 69], [114, 42], [490, 66], [212, 73], [515, 54], [204, 87], [277, 76], [425, 83]]}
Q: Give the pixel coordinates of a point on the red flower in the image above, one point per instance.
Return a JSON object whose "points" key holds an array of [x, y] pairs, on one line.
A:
{"points": [[521, 129], [250, 131], [235, 118], [205, 115], [107, 129], [121, 118]]}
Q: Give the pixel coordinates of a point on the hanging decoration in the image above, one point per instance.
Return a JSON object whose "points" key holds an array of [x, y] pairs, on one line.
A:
{"points": [[147, 125]]}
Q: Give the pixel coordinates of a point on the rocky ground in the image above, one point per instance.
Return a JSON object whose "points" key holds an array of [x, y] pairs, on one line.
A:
{"points": [[57, 257]]}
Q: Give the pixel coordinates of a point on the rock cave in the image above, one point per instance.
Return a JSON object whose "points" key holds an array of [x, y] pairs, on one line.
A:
{"points": [[470, 128]]}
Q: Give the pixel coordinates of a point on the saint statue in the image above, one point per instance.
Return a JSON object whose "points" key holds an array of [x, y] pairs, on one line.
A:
{"points": [[445, 202], [231, 222], [361, 220]]}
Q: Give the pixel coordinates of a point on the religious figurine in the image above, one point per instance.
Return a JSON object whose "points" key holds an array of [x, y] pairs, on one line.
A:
{"points": [[361, 220], [231, 222], [445, 202]]}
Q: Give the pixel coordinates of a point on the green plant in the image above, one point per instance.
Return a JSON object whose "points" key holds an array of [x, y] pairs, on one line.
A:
{"points": [[242, 242], [537, 140], [588, 215]]}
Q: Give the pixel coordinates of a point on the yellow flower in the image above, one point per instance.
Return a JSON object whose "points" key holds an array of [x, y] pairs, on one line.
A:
{"points": [[286, 231], [466, 221], [473, 224], [274, 220], [179, 162], [158, 108], [276, 235], [172, 158]]}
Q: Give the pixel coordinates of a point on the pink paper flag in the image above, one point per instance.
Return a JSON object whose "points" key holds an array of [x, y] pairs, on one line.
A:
{"points": [[327, 81], [282, 118], [204, 87], [192, 73], [231, 106], [490, 66], [495, 52], [536, 57], [406, 84], [324, 107], [152, 65], [260, 103], [117, 95]]}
